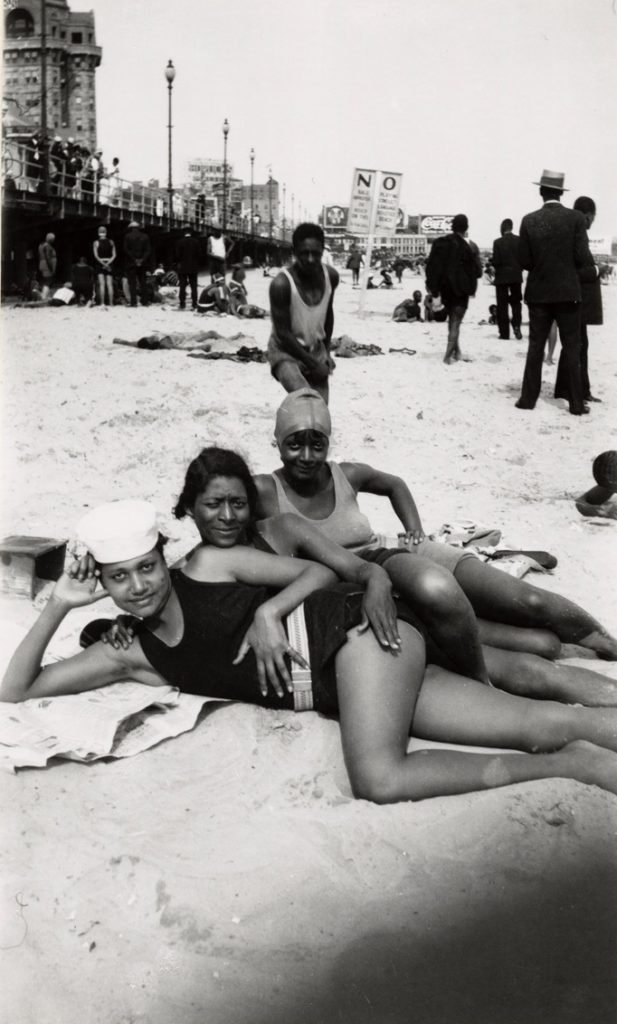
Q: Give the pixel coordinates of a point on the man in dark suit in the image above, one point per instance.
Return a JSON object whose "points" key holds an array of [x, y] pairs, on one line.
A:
{"points": [[452, 272], [188, 254], [591, 312], [508, 280], [553, 248]]}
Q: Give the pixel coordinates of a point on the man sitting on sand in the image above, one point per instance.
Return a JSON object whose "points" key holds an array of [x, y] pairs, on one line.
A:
{"points": [[409, 310], [215, 297], [303, 316]]}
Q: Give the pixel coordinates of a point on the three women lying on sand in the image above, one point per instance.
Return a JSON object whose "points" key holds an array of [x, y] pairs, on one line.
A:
{"points": [[215, 626]]}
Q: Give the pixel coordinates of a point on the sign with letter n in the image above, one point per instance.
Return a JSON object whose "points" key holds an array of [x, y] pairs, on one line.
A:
{"points": [[359, 216], [374, 206]]}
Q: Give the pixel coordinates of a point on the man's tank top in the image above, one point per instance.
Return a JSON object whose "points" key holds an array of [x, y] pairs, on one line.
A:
{"points": [[346, 524], [217, 247], [308, 323]]}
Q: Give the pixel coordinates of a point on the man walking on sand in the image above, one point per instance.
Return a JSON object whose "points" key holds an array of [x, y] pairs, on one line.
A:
{"points": [[302, 316], [452, 272], [553, 247], [508, 281]]}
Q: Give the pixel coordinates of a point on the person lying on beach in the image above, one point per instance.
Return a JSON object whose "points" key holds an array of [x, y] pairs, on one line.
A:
{"points": [[514, 615], [598, 501], [213, 628], [183, 340], [409, 309], [64, 296]]}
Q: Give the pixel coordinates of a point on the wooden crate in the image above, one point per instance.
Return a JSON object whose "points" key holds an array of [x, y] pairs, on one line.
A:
{"points": [[26, 561]]}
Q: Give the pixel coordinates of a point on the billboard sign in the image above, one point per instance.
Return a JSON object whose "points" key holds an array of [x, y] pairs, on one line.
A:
{"points": [[336, 217], [436, 223]]}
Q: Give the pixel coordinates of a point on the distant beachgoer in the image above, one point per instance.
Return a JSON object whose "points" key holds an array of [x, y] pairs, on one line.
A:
{"points": [[104, 250], [301, 304], [452, 272], [591, 313], [215, 297], [137, 251], [354, 263], [409, 309], [82, 281], [188, 255], [48, 262], [217, 252], [239, 304], [398, 267], [492, 315], [386, 280], [508, 278], [551, 345]]}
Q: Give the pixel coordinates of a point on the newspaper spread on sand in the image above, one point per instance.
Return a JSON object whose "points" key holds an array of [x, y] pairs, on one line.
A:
{"points": [[119, 720]]}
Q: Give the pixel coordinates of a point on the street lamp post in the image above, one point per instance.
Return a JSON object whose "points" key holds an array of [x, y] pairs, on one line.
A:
{"points": [[270, 200], [284, 223], [293, 199], [225, 134], [170, 74], [252, 156]]}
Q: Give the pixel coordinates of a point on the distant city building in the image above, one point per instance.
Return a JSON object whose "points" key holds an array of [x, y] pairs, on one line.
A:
{"points": [[265, 199], [72, 57]]}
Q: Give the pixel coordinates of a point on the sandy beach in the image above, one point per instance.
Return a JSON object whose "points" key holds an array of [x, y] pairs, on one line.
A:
{"points": [[227, 876]]}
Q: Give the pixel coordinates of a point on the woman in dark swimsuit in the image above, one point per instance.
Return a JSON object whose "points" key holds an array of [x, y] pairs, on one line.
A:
{"points": [[193, 619]]}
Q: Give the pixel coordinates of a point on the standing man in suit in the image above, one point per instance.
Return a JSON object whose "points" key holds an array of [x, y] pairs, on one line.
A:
{"points": [[553, 248], [188, 255], [591, 312], [508, 281]]}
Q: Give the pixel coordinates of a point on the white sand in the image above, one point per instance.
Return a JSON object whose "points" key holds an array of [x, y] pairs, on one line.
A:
{"points": [[227, 877]]}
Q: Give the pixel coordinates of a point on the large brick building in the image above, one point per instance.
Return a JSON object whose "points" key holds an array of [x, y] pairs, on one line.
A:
{"points": [[72, 58]]}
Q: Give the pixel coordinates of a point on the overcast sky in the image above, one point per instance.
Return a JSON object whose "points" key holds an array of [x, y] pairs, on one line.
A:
{"points": [[469, 99]]}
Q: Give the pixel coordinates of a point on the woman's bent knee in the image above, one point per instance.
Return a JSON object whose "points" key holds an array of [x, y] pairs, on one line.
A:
{"points": [[379, 784]]}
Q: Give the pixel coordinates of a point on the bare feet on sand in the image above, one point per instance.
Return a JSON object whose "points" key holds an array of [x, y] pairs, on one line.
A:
{"points": [[603, 644]]}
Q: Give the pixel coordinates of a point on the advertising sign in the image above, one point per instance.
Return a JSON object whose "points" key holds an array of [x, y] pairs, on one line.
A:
{"points": [[600, 246], [336, 217], [436, 223]]}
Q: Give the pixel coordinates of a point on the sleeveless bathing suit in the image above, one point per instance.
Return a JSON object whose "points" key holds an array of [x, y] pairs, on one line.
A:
{"points": [[346, 524], [308, 322], [349, 527], [216, 617]]}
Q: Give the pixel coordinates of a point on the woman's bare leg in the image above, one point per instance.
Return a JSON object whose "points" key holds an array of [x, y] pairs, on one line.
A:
{"points": [[440, 603], [528, 675], [377, 695], [542, 642], [502, 598], [458, 710]]}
